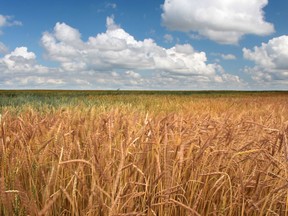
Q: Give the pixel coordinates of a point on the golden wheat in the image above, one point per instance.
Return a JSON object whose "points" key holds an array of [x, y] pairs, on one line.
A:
{"points": [[165, 156]]}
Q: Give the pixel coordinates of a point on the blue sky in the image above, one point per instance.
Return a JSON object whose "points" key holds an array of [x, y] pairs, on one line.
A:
{"points": [[137, 44]]}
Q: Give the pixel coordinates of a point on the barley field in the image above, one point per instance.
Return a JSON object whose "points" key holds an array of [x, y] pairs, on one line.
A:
{"points": [[143, 153]]}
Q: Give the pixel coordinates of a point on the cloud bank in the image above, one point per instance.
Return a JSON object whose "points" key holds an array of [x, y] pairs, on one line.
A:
{"points": [[221, 21], [117, 49], [113, 59]]}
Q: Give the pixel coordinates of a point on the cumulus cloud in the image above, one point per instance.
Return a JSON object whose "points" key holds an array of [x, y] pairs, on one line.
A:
{"points": [[271, 61], [66, 34], [112, 59], [222, 21], [21, 60], [19, 69], [117, 49]]}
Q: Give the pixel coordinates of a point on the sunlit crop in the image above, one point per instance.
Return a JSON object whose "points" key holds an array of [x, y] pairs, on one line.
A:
{"points": [[145, 154]]}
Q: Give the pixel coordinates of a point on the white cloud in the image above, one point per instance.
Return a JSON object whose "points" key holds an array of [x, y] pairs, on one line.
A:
{"points": [[116, 49], [273, 54], [224, 21], [21, 60], [112, 59], [111, 5], [66, 34], [224, 56], [8, 21], [195, 36], [3, 48], [228, 56], [271, 61], [2, 20], [132, 74], [168, 38], [32, 81], [38, 80], [22, 52]]}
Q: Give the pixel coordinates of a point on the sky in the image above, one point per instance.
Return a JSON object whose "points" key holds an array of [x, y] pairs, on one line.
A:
{"points": [[144, 44]]}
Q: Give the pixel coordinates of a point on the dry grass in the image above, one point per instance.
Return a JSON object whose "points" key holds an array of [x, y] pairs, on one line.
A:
{"points": [[166, 156]]}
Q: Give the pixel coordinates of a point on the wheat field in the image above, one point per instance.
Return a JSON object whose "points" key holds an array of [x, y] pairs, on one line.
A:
{"points": [[146, 154]]}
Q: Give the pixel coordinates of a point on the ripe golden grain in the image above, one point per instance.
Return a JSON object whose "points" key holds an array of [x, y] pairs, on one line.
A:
{"points": [[159, 155]]}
